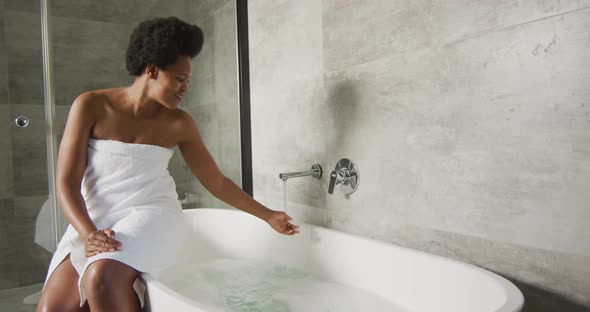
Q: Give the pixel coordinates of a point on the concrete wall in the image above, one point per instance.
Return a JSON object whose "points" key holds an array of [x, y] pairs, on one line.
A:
{"points": [[469, 122]]}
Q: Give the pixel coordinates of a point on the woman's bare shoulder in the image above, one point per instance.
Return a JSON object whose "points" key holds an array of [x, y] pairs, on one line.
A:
{"points": [[95, 101], [181, 115], [86, 109], [97, 97], [183, 124], [179, 118]]}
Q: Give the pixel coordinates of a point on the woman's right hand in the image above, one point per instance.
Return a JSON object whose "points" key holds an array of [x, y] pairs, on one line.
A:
{"points": [[279, 221], [101, 241]]}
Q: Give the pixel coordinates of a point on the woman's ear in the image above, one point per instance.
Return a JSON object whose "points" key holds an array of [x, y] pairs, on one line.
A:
{"points": [[152, 71]]}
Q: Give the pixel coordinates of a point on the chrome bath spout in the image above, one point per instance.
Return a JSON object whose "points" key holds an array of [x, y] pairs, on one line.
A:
{"points": [[316, 172]]}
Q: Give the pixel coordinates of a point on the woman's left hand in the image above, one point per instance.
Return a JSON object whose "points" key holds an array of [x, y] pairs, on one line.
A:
{"points": [[279, 221]]}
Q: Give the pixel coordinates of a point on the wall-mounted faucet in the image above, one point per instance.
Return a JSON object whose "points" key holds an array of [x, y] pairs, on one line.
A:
{"points": [[346, 174], [316, 172]]}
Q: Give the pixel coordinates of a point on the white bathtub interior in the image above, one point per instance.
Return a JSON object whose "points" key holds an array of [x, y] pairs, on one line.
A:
{"points": [[409, 279]]}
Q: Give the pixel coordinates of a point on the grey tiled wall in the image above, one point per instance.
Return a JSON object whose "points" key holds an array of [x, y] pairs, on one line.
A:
{"points": [[25, 65], [3, 65], [6, 180]]}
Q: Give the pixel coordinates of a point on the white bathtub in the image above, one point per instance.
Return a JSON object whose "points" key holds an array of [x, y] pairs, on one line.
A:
{"points": [[412, 279]]}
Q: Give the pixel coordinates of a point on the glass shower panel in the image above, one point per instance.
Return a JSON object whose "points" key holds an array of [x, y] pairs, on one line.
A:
{"points": [[23, 161], [213, 100]]}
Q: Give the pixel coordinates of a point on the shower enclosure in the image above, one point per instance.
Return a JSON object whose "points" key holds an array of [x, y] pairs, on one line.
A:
{"points": [[51, 51]]}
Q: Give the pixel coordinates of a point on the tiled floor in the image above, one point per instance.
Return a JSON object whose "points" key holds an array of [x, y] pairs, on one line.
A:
{"points": [[12, 299]]}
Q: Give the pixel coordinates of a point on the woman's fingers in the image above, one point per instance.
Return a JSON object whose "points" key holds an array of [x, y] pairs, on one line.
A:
{"points": [[106, 236], [100, 247], [101, 241], [104, 246], [92, 251], [290, 229], [280, 222]]}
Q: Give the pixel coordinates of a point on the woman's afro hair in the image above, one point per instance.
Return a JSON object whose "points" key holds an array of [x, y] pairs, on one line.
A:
{"points": [[161, 41]]}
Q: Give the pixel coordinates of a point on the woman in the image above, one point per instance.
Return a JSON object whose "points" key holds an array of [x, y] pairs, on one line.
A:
{"points": [[112, 180]]}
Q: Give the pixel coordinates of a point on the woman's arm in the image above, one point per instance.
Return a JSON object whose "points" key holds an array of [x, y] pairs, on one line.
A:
{"points": [[71, 164], [204, 168]]}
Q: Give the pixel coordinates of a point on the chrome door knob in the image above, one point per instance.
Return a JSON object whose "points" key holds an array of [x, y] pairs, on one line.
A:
{"points": [[21, 121]]}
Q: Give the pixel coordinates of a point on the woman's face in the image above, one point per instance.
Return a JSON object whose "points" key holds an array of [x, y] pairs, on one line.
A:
{"points": [[171, 84]]}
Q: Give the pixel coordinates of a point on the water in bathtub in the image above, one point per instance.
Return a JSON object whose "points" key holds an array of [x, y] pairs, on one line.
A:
{"points": [[256, 286]]}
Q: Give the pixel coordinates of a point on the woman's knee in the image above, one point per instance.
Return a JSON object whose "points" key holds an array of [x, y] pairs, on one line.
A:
{"points": [[105, 276]]}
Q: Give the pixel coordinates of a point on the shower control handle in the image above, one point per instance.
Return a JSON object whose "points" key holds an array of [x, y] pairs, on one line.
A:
{"points": [[346, 174], [333, 178]]}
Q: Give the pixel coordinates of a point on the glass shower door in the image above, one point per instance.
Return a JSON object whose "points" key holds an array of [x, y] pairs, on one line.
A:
{"points": [[23, 157]]}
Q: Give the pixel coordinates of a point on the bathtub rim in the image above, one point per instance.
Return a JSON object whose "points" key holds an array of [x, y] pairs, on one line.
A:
{"points": [[514, 297]]}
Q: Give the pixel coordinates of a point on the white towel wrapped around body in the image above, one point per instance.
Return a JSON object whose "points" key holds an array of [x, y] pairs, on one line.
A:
{"points": [[127, 188]]}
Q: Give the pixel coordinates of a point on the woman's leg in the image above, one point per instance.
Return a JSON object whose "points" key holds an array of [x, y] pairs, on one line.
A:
{"points": [[108, 285], [61, 290]]}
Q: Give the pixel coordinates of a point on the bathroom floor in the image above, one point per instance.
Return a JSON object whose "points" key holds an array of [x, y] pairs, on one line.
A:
{"points": [[12, 299]]}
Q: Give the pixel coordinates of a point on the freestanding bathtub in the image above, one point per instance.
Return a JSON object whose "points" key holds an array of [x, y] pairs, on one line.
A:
{"points": [[413, 280]]}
